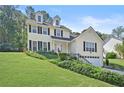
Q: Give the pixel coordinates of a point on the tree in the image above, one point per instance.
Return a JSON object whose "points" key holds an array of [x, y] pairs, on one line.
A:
{"points": [[12, 27], [117, 32], [30, 12], [120, 49]]}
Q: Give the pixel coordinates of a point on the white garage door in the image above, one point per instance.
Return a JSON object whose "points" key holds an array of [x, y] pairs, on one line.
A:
{"points": [[95, 61]]}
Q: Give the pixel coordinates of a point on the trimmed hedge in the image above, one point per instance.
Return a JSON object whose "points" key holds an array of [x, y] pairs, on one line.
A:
{"points": [[36, 55], [94, 72], [50, 54]]}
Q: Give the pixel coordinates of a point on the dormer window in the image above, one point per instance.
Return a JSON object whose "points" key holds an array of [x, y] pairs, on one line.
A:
{"points": [[39, 18], [57, 22]]}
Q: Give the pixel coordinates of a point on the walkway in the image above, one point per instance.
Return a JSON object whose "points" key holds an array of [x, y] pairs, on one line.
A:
{"points": [[120, 72]]}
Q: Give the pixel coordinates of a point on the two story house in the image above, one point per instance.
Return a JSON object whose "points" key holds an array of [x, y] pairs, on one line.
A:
{"points": [[55, 37]]}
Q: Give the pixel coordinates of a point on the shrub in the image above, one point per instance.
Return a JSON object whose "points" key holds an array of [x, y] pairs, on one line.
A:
{"points": [[107, 61], [94, 72], [63, 56], [50, 54], [36, 55], [111, 55]]}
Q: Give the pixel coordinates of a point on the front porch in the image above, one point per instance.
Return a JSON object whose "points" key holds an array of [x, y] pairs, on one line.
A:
{"points": [[60, 46]]}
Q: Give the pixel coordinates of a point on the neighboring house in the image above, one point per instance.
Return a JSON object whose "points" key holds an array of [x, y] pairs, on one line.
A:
{"points": [[109, 45], [55, 37]]}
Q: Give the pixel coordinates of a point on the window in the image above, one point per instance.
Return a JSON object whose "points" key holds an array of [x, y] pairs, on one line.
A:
{"points": [[34, 29], [89, 46], [57, 22], [58, 32], [34, 45], [45, 31], [39, 45], [39, 18], [44, 46], [39, 30]]}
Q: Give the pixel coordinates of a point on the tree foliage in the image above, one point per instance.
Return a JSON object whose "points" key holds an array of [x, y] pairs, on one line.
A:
{"points": [[120, 49], [117, 32], [12, 27], [30, 12]]}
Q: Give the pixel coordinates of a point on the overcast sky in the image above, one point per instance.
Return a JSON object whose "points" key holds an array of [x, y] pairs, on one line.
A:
{"points": [[78, 18]]}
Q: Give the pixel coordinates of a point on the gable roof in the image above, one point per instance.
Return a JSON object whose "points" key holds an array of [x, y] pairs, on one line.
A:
{"points": [[109, 38], [89, 28]]}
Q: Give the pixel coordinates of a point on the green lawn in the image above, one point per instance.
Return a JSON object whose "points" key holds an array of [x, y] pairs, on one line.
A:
{"points": [[117, 61], [117, 64], [18, 69]]}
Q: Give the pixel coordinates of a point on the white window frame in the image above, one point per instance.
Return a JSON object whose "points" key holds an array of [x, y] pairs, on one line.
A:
{"points": [[34, 29], [38, 18], [45, 31], [45, 45], [57, 22], [58, 32], [90, 46]]}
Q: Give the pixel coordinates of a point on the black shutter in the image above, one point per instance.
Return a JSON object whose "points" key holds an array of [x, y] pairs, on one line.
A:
{"points": [[30, 45], [38, 30], [41, 45], [84, 45], [95, 47], [48, 46], [54, 32], [29, 28], [48, 31], [61, 33]]}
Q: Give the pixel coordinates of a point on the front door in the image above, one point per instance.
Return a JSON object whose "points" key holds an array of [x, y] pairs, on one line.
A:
{"points": [[58, 47]]}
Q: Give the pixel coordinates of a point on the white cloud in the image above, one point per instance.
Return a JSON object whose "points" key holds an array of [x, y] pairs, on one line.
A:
{"points": [[103, 24], [56, 11]]}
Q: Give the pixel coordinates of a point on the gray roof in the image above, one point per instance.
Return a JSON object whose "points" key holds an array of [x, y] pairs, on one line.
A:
{"points": [[106, 40], [61, 38]]}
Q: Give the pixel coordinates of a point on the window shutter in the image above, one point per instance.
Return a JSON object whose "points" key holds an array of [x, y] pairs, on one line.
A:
{"points": [[48, 31], [30, 45], [54, 32], [41, 45], [84, 45], [48, 46], [29, 28], [61, 33], [38, 29], [95, 47]]}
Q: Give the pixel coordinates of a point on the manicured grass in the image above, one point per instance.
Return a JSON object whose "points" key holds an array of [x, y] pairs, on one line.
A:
{"points": [[117, 64], [18, 69], [117, 61]]}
